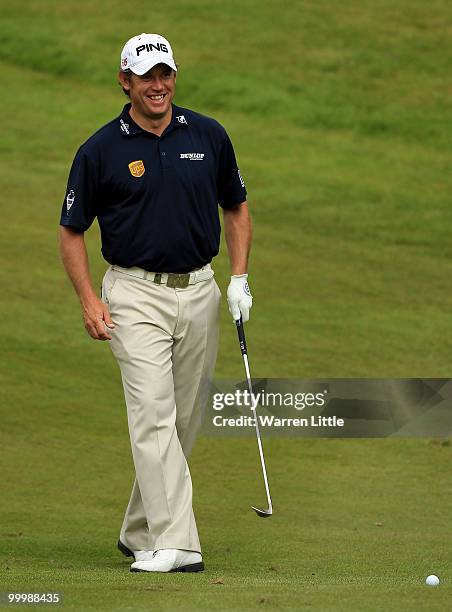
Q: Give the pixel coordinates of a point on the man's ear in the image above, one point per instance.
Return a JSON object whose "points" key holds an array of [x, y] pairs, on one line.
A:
{"points": [[124, 80]]}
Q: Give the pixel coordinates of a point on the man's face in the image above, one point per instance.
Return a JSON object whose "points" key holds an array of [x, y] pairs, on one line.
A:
{"points": [[151, 94]]}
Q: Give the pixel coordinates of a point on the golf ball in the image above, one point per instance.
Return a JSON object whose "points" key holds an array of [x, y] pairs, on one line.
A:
{"points": [[432, 580]]}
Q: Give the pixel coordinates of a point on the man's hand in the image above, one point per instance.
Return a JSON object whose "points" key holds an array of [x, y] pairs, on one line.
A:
{"points": [[240, 299], [96, 316], [238, 232], [75, 260]]}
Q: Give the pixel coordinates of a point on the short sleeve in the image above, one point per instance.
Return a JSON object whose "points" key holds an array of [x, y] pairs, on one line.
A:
{"points": [[230, 184], [79, 206]]}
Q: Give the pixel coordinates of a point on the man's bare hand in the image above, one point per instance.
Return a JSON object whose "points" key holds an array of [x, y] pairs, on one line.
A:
{"points": [[96, 316], [75, 259]]}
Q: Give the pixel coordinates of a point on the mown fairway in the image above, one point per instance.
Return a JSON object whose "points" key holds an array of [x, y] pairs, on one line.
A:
{"points": [[340, 113]]}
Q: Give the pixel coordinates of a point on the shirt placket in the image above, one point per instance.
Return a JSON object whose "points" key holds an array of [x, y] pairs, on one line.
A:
{"points": [[162, 148]]}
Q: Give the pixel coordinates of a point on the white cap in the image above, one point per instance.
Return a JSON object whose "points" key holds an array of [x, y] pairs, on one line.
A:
{"points": [[143, 52]]}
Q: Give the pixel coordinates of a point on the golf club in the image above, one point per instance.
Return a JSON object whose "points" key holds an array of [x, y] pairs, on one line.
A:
{"points": [[242, 341]]}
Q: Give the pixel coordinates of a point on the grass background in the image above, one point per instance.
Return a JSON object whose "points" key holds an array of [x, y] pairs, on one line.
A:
{"points": [[340, 113]]}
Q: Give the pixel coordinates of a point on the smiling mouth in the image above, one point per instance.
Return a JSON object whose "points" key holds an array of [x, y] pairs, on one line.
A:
{"points": [[156, 98]]}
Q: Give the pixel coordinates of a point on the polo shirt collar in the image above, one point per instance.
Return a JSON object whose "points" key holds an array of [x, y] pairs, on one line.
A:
{"points": [[178, 118], [128, 126]]}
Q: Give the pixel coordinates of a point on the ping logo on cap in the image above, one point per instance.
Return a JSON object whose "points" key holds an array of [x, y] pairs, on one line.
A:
{"points": [[141, 53], [149, 46]]}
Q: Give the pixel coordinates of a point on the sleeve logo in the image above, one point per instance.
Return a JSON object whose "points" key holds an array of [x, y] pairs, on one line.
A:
{"points": [[70, 199], [137, 168]]}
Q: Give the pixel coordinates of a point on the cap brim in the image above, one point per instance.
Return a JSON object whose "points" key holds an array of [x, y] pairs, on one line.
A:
{"points": [[148, 64]]}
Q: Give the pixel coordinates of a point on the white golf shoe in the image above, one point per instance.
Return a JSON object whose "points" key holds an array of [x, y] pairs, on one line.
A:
{"points": [[170, 560], [138, 555], [143, 555]]}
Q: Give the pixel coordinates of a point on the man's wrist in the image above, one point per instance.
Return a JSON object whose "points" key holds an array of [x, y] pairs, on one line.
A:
{"points": [[87, 296]]}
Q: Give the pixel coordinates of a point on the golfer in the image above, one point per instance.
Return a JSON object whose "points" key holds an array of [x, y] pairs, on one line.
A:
{"points": [[154, 178]]}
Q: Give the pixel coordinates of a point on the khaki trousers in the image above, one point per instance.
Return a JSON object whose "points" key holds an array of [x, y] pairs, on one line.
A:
{"points": [[165, 341]]}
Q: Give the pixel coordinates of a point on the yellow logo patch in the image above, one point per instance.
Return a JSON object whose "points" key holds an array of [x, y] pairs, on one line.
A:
{"points": [[136, 168]]}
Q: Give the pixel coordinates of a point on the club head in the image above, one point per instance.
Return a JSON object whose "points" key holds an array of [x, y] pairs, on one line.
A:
{"points": [[262, 513]]}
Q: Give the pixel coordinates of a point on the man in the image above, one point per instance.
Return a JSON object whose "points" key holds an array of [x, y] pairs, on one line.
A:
{"points": [[154, 177]]}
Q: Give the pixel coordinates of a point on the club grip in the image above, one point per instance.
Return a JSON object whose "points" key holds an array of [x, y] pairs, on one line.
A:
{"points": [[241, 334]]}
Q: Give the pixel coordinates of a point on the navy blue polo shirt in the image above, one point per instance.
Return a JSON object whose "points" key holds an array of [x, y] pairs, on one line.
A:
{"points": [[155, 197]]}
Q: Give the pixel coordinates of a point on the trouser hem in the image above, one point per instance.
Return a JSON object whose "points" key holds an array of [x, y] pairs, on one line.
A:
{"points": [[177, 542]]}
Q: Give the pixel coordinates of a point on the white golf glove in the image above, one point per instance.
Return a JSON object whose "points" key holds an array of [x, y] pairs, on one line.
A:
{"points": [[239, 297]]}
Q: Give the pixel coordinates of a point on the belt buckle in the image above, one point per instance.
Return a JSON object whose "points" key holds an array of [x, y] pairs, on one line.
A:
{"points": [[178, 281]]}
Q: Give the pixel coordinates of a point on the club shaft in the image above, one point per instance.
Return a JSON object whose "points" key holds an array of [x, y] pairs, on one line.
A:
{"points": [[258, 432]]}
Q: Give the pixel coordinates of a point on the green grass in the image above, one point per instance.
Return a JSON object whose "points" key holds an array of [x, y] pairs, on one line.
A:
{"points": [[347, 533], [340, 113]]}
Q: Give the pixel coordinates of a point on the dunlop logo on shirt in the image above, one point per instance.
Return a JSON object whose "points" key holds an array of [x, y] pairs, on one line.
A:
{"points": [[192, 156], [137, 168]]}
